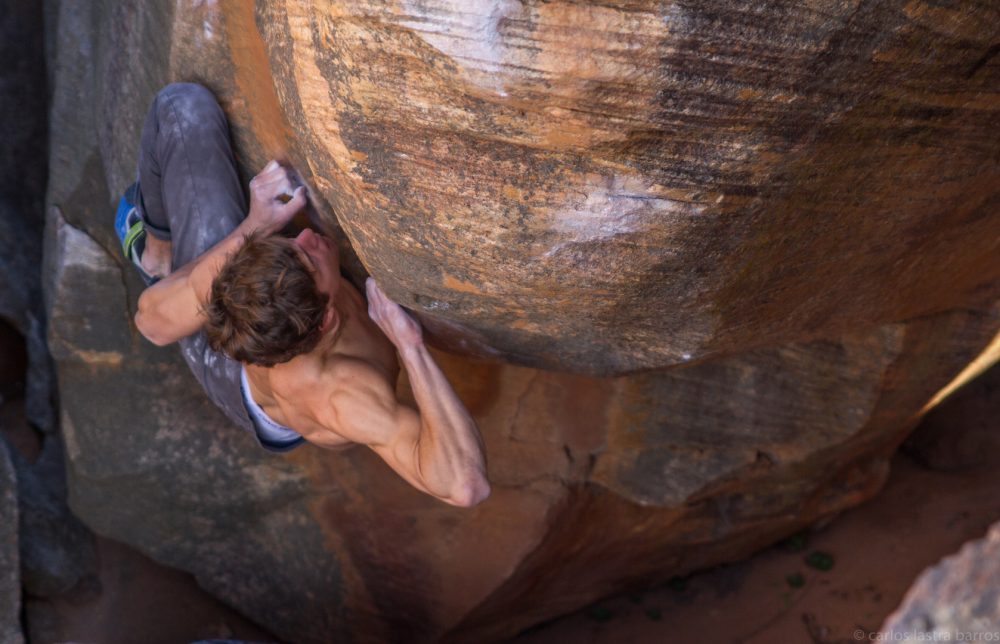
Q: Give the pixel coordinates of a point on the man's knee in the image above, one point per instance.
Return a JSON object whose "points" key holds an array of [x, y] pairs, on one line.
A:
{"points": [[188, 105]]}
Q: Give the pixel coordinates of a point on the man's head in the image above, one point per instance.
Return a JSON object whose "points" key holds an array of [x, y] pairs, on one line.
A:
{"points": [[271, 300]]}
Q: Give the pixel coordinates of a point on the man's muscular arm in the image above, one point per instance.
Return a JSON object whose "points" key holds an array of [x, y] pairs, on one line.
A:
{"points": [[171, 309], [437, 450]]}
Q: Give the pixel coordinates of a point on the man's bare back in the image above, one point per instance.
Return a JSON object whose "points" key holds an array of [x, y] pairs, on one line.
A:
{"points": [[288, 392]]}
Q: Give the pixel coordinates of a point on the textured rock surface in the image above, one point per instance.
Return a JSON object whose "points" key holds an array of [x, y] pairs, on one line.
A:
{"points": [[598, 482], [603, 186], [10, 575], [955, 600]]}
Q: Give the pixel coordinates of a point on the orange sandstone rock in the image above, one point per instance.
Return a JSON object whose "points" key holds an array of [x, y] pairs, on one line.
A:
{"points": [[604, 187]]}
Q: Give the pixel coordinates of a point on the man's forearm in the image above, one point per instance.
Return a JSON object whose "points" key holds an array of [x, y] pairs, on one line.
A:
{"points": [[449, 439], [441, 450], [171, 309]]}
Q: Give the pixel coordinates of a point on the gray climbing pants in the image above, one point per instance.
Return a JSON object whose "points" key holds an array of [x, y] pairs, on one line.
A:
{"points": [[190, 194]]}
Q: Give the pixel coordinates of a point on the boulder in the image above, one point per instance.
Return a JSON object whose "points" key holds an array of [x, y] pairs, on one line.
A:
{"points": [[957, 599], [10, 569], [603, 187], [792, 247]]}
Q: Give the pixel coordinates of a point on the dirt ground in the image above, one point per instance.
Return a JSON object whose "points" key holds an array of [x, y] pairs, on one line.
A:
{"points": [[877, 551], [138, 600]]}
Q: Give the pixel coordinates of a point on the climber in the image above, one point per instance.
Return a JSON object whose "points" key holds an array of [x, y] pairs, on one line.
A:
{"points": [[284, 345]]}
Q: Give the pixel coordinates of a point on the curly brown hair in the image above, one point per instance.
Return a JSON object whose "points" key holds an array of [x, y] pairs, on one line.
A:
{"points": [[264, 307]]}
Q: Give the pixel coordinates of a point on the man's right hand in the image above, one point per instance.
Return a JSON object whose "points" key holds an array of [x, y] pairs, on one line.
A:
{"points": [[397, 325], [274, 199]]}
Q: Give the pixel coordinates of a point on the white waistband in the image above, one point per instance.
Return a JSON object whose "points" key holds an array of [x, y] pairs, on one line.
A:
{"points": [[268, 430]]}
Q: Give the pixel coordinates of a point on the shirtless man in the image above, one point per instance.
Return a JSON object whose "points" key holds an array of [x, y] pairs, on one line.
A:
{"points": [[284, 345]]}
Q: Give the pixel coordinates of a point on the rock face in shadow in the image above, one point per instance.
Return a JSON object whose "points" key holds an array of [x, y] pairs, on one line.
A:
{"points": [[573, 211], [10, 567], [23, 171], [57, 551], [962, 432], [959, 598], [43, 548]]}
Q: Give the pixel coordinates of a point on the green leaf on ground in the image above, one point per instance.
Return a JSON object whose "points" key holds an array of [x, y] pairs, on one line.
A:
{"points": [[654, 614], [819, 560]]}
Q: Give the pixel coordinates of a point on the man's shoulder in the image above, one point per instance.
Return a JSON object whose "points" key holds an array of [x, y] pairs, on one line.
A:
{"points": [[311, 376]]}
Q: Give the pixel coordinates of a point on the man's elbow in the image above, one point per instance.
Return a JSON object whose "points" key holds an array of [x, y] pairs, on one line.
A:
{"points": [[472, 492], [149, 332], [144, 322]]}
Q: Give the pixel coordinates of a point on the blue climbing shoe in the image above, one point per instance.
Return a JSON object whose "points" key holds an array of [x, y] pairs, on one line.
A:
{"points": [[132, 233]]}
